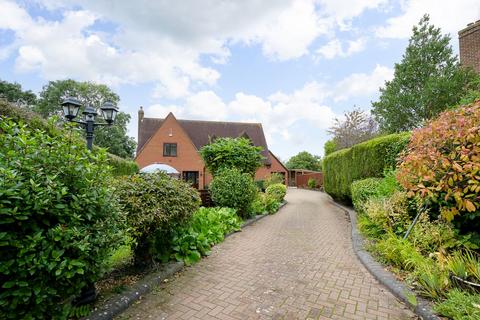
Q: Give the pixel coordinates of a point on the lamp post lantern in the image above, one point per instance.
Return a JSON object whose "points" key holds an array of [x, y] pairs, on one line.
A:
{"points": [[71, 107]]}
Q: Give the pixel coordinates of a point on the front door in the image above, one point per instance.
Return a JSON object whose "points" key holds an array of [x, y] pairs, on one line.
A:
{"points": [[191, 177]]}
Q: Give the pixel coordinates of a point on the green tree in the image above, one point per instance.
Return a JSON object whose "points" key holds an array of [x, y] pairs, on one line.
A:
{"points": [[427, 80], [13, 93], [329, 147], [228, 153], [114, 138], [305, 160]]}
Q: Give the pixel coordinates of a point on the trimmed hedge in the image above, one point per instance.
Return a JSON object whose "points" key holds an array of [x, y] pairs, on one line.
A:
{"points": [[364, 160], [119, 165], [122, 167]]}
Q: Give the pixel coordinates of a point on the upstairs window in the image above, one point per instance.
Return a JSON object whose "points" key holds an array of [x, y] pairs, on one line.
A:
{"points": [[169, 149]]}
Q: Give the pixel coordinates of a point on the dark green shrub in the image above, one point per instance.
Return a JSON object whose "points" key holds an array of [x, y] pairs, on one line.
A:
{"points": [[364, 160], [278, 191], [207, 227], [154, 204], [260, 185], [59, 220], [233, 189], [311, 183]]}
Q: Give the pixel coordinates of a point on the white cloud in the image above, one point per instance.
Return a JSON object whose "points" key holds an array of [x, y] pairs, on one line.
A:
{"points": [[362, 84], [345, 10], [335, 49], [451, 16]]}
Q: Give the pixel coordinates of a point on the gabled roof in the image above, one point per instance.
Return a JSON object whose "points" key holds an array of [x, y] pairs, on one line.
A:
{"points": [[201, 132]]}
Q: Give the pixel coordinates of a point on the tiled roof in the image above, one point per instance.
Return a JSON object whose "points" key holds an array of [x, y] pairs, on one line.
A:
{"points": [[201, 132]]}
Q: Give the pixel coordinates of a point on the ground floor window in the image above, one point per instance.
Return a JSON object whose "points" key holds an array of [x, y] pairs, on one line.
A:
{"points": [[191, 177]]}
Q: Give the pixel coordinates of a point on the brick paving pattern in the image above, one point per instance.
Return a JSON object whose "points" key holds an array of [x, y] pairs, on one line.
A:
{"points": [[297, 264]]}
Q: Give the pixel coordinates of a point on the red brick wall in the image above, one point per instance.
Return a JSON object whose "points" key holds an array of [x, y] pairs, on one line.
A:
{"points": [[469, 42]]}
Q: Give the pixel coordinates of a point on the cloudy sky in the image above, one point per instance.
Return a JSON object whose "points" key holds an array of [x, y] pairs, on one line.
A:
{"points": [[293, 65]]}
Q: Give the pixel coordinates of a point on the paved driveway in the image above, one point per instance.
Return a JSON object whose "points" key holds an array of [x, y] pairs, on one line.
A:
{"points": [[297, 264]]}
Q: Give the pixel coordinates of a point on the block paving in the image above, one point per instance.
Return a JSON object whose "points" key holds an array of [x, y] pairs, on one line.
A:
{"points": [[296, 264]]}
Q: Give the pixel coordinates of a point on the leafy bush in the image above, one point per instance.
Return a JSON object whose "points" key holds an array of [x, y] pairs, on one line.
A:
{"points": [[442, 164], [364, 160], [154, 203], [59, 220], [228, 153], [207, 227], [233, 189], [271, 203], [274, 178], [311, 183], [363, 190], [257, 206], [278, 191], [459, 305]]}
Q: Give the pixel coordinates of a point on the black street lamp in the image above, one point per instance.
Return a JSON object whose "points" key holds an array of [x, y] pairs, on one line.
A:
{"points": [[72, 106]]}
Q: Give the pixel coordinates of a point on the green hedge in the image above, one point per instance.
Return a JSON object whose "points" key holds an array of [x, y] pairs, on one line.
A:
{"points": [[119, 165], [122, 167], [364, 160]]}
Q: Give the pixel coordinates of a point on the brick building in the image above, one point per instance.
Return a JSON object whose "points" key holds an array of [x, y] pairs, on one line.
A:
{"points": [[176, 143], [469, 42]]}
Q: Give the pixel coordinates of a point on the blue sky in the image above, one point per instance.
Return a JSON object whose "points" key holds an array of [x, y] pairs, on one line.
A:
{"points": [[293, 65]]}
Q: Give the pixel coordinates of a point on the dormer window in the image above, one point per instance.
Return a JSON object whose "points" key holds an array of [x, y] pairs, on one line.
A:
{"points": [[169, 149]]}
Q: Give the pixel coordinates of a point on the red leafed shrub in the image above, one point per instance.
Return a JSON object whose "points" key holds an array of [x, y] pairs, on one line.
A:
{"points": [[442, 165]]}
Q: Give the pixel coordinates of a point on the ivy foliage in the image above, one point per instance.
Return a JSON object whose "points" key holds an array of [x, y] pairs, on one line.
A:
{"points": [[155, 203], [442, 166], [59, 220], [364, 160], [234, 189], [238, 153]]}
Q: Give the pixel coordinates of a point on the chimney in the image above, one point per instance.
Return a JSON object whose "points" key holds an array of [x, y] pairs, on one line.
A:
{"points": [[469, 45]]}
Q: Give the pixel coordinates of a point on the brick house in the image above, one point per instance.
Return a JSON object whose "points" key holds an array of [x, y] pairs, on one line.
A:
{"points": [[176, 143], [469, 44]]}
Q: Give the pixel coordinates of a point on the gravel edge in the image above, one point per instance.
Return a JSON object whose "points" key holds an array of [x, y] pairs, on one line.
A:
{"points": [[398, 289], [119, 303]]}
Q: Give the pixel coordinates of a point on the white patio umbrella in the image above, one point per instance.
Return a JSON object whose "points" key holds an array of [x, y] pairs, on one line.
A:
{"points": [[151, 168]]}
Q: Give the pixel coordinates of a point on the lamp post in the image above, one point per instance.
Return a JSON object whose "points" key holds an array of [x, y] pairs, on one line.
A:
{"points": [[72, 106]]}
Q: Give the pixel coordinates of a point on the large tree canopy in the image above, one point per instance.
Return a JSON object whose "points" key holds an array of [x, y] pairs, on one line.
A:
{"points": [[13, 93], [305, 160], [427, 81], [115, 137]]}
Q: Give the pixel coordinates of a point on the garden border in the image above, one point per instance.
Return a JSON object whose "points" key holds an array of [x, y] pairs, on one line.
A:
{"points": [[120, 302], [386, 278]]}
